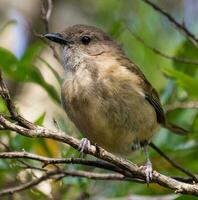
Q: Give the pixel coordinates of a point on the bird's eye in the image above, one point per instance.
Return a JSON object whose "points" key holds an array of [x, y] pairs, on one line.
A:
{"points": [[85, 40]]}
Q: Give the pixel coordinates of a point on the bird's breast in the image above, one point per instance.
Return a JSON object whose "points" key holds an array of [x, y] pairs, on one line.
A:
{"points": [[106, 107]]}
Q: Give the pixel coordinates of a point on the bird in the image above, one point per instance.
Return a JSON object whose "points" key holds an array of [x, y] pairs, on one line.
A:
{"points": [[106, 95]]}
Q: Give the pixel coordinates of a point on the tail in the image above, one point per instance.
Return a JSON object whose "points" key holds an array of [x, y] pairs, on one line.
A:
{"points": [[176, 129]]}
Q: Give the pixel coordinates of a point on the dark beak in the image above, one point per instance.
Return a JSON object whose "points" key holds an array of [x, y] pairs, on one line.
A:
{"points": [[57, 37]]}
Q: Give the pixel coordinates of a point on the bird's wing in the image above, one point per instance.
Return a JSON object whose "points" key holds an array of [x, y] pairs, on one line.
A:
{"points": [[150, 93]]}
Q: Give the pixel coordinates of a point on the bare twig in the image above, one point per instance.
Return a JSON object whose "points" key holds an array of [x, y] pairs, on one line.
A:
{"points": [[10, 105], [46, 13], [180, 27], [46, 161], [173, 163], [126, 165], [7, 148], [158, 52], [58, 174], [179, 105]]}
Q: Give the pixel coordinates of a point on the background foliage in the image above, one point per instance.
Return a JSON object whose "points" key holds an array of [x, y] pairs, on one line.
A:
{"points": [[176, 82]]}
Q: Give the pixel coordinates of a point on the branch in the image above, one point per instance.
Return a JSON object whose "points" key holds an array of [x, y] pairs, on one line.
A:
{"points": [[41, 132], [58, 174], [173, 163], [46, 161], [46, 13], [158, 52], [181, 28], [4, 93], [179, 105]]}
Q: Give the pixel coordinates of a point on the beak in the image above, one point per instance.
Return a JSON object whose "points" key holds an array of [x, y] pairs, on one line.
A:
{"points": [[56, 37]]}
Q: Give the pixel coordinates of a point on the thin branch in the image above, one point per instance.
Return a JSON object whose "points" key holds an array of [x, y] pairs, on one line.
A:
{"points": [[7, 148], [46, 161], [173, 163], [98, 152], [180, 27], [4, 92], [179, 105], [158, 52], [46, 13], [59, 174]]}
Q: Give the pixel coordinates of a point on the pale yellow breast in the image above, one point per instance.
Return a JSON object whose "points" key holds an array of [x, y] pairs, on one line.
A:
{"points": [[108, 109]]}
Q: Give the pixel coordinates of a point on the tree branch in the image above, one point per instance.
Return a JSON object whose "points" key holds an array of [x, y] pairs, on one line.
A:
{"points": [[41, 132], [4, 93], [173, 163], [179, 105], [181, 28], [158, 52], [46, 13], [58, 174]]}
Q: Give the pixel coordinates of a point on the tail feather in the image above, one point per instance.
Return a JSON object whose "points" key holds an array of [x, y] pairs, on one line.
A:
{"points": [[176, 129]]}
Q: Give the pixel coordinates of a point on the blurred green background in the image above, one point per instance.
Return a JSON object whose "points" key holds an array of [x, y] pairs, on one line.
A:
{"points": [[34, 76]]}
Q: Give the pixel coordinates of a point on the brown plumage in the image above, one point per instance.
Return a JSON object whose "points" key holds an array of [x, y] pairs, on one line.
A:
{"points": [[105, 94]]}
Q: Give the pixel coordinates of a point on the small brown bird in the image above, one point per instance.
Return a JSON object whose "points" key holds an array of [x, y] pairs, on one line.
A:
{"points": [[105, 94]]}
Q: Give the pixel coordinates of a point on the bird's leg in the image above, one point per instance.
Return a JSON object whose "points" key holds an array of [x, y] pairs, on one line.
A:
{"points": [[84, 143], [136, 145], [148, 165]]}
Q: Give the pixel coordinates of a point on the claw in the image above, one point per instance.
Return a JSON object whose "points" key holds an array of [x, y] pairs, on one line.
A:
{"points": [[148, 166], [84, 143], [148, 171]]}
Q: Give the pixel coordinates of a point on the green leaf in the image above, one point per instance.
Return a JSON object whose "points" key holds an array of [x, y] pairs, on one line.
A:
{"points": [[32, 52], [58, 78], [24, 71], [186, 50], [40, 119], [194, 128], [183, 80], [7, 61]]}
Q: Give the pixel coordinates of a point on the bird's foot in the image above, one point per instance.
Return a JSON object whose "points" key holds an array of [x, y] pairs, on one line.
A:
{"points": [[84, 143], [148, 171]]}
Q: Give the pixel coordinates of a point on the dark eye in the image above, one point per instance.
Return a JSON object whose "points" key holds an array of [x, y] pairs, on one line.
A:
{"points": [[85, 40]]}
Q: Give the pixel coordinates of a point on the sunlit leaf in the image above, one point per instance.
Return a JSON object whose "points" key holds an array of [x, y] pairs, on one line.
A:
{"points": [[186, 50], [183, 80], [32, 52], [39, 121], [24, 71], [7, 61]]}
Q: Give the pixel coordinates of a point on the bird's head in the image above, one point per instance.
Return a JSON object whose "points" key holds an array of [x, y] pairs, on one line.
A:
{"points": [[80, 42]]}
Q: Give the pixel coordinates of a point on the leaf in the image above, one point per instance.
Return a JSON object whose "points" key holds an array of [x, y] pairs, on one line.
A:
{"points": [[7, 59], [24, 71], [194, 128], [183, 80], [186, 50], [58, 78], [32, 52], [40, 119]]}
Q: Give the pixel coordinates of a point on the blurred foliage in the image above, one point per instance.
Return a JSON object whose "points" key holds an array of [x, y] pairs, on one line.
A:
{"points": [[24, 70], [175, 82]]}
